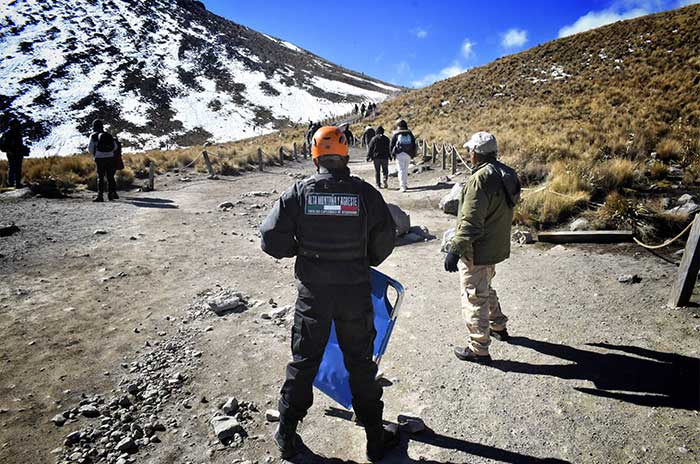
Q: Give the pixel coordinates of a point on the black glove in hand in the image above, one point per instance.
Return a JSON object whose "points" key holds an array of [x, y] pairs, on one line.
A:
{"points": [[451, 261]]}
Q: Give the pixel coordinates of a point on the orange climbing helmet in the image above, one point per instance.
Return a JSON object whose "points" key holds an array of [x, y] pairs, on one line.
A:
{"points": [[329, 140]]}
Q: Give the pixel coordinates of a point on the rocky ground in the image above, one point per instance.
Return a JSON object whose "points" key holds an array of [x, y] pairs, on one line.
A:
{"points": [[154, 330]]}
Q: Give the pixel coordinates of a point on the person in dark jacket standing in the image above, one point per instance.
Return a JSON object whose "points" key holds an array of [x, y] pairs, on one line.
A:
{"points": [[336, 226], [368, 135], [379, 152], [349, 136], [403, 149], [102, 147], [12, 144]]}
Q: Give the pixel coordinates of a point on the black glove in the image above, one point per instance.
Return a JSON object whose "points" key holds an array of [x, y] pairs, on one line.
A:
{"points": [[451, 261]]}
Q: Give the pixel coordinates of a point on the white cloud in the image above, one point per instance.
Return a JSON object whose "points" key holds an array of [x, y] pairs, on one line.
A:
{"points": [[514, 38], [594, 19], [467, 48], [420, 32], [450, 71]]}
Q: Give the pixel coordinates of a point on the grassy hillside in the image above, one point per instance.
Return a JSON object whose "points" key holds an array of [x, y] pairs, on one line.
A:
{"points": [[583, 113]]}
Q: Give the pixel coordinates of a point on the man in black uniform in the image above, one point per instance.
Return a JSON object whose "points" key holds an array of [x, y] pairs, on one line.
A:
{"points": [[12, 144], [337, 226], [378, 151]]}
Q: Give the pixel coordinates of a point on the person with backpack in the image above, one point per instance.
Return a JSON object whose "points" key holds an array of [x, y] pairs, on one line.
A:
{"points": [[349, 135], [368, 135], [336, 226], [102, 147], [379, 153], [403, 149], [482, 240], [12, 144]]}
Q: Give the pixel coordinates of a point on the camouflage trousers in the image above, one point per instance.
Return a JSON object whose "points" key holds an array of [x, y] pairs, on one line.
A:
{"points": [[480, 307]]}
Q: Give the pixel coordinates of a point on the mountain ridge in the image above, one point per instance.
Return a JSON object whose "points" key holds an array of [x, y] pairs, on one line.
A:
{"points": [[161, 73]]}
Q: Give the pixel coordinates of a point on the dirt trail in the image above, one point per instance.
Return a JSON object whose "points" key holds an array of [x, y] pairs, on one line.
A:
{"points": [[589, 377]]}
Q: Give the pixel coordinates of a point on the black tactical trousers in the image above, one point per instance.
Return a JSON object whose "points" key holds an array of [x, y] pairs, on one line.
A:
{"points": [[350, 307], [14, 175], [381, 164]]}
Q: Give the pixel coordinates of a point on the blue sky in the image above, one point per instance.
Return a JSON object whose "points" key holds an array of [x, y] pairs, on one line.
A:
{"points": [[417, 42]]}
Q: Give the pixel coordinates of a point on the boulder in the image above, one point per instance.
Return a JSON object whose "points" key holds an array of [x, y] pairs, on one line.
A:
{"points": [[580, 224], [401, 219], [225, 427], [446, 239], [17, 194], [227, 301], [450, 202], [230, 408], [8, 229], [272, 415], [685, 198]]}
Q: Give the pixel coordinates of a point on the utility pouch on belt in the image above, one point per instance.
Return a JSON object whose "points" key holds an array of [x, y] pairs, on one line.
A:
{"points": [[334, 222]]}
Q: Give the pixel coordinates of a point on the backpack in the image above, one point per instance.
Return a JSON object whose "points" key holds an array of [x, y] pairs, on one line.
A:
{"points": [[118, 160], [105, 142], [3, 142], [405, 144], [510, 182]]}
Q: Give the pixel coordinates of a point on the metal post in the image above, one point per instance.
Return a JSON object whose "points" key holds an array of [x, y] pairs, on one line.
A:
{"points": [[260, 160], [151, 176], [454, 160]]}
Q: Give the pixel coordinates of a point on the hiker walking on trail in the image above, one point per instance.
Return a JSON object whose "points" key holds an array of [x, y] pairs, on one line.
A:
{"points": [[337, 226], [403, 149], [482, 240], [362, 110], [102, 147], [368, 135], [379, 153], [313, 127], [350, 137], [12, 144]]}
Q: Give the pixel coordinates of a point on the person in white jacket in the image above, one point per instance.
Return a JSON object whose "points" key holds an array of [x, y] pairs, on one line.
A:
{"points": [[403, 149]]}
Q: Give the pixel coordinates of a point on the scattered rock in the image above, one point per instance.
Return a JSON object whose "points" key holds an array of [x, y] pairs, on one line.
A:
{"points": [[7, 230], [523, 237], [450, 202], [401, 219], [685, 198], [629, 279], [227, 205], [580, 224], [225, 427], [89, 411], [17, 194], [416, 234], [73, 438], [447, 239], [59, 420], [230, 408], [557, 249], [100, 232], [127, 445], [688, 208], [411, 423], [272, 415], [227, 301]]}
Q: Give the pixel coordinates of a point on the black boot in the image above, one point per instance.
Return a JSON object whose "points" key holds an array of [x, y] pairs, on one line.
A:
{"points": [[500, 335], [112, 196], [380, 440], [287, 439], [99, 198]]}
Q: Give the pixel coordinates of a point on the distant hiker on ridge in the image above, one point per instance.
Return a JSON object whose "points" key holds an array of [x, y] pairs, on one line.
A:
{"points": [[403, 149], [102, 147], [15, 149]]}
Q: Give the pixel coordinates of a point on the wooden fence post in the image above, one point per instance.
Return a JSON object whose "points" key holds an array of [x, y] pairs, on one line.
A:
{"points": [[151, 176], [434, 153], [294, 154], [281, 156], [425, 150], [303, 150], [210, 169], [444, 157], [688, 270], [454, 160], [260, 159]]}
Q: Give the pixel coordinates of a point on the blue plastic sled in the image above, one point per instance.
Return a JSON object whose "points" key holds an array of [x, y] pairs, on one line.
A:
{"points": [[332, 378]]}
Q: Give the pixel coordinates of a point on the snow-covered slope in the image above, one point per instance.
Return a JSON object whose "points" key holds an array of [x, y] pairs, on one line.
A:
{"points": [[159, 72]]}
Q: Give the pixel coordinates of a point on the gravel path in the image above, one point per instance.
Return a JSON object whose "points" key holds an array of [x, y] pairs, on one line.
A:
{"points": [[598, 371]]}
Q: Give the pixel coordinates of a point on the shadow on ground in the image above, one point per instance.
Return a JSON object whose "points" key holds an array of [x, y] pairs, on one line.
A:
{"points": [[160, 203], [429, 437], [640, 376]]}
